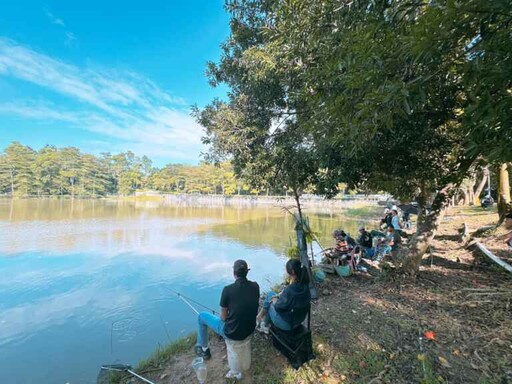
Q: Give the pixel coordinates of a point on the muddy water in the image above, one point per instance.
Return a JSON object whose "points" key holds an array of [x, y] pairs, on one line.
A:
{"points": [[85, 283]]}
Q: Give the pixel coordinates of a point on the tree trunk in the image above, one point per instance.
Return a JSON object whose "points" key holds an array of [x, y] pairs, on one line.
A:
{"points": [[428, 223], [481, 186], [471, 188], [465, 190], [302, 245], [504, 184], [297, 200], [12, 182], [504, 206]]}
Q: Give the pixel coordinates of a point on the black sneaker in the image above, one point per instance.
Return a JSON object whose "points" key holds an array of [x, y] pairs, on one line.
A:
{"points": [[202, 353]]}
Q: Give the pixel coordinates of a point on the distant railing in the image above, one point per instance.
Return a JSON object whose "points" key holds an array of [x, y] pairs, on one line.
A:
{"points": [[306, 201], [238, 200]]}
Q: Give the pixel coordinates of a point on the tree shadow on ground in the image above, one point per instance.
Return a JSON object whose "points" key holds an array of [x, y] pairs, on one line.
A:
{"points": [[454, 238], [437, 261], [365, 328]]}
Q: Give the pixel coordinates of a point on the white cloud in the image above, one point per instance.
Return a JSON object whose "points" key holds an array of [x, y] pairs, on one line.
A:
{"points": [[70, 39], [53, 19], [123, 106]]}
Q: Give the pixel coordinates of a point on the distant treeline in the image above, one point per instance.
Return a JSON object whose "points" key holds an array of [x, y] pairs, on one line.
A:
{"points": [[55, 171]]}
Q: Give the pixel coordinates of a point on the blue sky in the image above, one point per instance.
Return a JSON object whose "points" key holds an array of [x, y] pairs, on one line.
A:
{"points": [[108, 76]]}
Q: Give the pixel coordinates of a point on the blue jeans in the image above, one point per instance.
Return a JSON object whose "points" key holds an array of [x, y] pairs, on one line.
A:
{"points": [[382, 250], [272, 315], [206, 320], [369, 253]]}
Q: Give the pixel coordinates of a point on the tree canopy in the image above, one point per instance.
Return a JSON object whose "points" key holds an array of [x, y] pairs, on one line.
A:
{"points": [[384, 95], [68, 172]]}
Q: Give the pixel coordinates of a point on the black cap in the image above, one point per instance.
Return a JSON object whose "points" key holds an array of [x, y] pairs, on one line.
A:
{"points": [[240, 266]]}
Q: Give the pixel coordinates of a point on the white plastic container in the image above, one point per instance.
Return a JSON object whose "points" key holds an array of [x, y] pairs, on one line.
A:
{"points": [[239, 355]]}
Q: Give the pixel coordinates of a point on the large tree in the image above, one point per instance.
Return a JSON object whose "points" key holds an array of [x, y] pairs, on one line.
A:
{"points": [[377, 93]]}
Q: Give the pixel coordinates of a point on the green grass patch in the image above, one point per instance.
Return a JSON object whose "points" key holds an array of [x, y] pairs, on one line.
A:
{"points": [[158, 359], [367, 211], [164, 354]]}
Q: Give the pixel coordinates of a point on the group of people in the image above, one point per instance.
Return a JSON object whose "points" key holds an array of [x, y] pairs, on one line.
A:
{"points": [[384, 245], [374, 245], [392, 219], [239, 304]]}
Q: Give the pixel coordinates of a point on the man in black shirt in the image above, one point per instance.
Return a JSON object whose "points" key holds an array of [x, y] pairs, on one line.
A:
{"points": [[239, 307]]}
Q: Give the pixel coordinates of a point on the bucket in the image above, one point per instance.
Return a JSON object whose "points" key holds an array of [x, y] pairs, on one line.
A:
{"points": [[239, 355], [319, 275], [344, 270]]}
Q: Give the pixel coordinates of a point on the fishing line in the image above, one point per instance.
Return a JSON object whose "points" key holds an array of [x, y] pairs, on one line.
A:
{"points": [[163, 325], [188, 301]]}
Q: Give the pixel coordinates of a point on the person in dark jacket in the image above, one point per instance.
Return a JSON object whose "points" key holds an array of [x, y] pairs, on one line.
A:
{"points": [[365, 238], [289, 309], [386, 221], [239, 306]]}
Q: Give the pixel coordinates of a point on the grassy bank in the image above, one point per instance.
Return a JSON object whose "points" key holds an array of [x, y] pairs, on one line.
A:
{"points": [[453, 324], [158, 360]]}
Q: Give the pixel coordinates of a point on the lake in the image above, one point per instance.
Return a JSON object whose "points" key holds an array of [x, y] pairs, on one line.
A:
{"points": [[86, 282]]}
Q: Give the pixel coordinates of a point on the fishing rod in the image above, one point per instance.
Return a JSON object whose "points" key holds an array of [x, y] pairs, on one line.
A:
{"points": [[188, 300], [124, 368]]}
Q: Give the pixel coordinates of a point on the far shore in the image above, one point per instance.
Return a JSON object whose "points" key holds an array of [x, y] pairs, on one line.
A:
{"points": [[307, 201]]}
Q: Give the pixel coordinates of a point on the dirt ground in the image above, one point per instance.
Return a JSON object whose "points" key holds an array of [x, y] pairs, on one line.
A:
{"points": [[453, 324]]}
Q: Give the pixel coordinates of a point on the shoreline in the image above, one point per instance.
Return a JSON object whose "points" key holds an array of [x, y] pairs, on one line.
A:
{"points": [[350, 350], [218, 199]]}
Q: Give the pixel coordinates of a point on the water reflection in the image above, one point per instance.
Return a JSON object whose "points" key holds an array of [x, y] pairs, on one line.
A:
{"points": [[87, 282]]}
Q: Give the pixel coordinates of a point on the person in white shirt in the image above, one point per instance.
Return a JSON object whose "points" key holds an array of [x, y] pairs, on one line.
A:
{"points": [[395, 220]]}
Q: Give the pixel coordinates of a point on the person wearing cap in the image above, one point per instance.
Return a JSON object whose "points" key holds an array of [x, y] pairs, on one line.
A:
{"points": [[239, 307]]}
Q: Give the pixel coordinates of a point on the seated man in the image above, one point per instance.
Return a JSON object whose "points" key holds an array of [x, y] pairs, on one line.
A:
{"points": [[239, 306], [388, 245], [342, 246], [365, 240], [350, 241], [394, 240]]}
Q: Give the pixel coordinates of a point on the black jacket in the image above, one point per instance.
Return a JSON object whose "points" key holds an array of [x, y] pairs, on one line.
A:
{"points": [[365, 239], [294, 303]]}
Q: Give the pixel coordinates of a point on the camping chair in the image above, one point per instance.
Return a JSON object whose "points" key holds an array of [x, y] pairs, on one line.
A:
{"points": [[296, 345]]}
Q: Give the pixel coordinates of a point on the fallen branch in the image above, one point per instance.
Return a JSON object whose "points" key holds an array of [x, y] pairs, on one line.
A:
{"points": [[493, 257]]}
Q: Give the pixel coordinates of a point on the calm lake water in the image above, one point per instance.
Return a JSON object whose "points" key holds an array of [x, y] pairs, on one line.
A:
{"points": [[85, 283]]}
